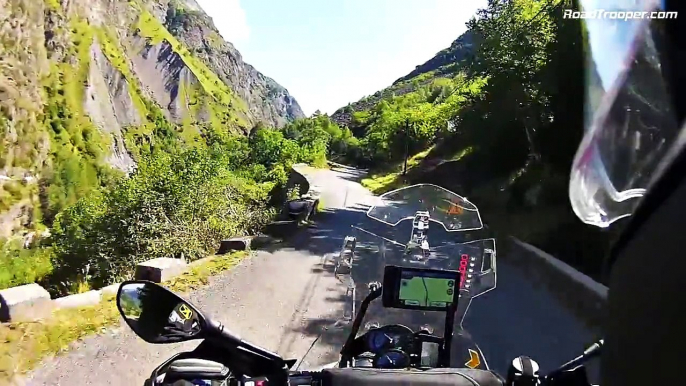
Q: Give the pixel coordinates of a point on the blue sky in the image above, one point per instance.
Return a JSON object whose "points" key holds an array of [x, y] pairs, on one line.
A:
{"points": [[328, 53]]}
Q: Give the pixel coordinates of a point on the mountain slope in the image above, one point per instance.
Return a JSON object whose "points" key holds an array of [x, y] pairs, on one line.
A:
{"points": [[87, 87], [445, 64], [447, 60], [267, 100]]}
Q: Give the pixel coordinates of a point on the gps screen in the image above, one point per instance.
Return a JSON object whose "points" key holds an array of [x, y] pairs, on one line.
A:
{"points": [[426, 289]]}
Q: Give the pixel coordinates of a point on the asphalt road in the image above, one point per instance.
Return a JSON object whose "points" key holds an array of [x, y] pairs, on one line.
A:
{"points": [[282, 299]]}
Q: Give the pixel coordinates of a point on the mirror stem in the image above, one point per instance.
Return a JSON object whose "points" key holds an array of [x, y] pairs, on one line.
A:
{"points": [[217, 329]]}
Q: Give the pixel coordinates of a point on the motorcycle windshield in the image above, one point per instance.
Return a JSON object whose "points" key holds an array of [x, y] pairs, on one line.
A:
{"points": [[454, 212], [363, 262]]}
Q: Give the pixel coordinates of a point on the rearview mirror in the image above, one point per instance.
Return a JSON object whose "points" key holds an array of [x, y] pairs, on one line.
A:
{"points": [[158, 315]]}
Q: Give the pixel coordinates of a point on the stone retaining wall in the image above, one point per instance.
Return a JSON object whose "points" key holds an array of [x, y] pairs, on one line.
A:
{"points": [[298, 178], [579, 293], [32, 302]]}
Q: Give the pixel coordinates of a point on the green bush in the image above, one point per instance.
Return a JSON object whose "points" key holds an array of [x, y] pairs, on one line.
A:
{"points": [[175, 205], [22, 266], [318, 137], [180, 202]]}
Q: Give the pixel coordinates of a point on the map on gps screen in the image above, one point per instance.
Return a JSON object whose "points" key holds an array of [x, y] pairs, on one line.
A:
{"points": [[426, 291]]}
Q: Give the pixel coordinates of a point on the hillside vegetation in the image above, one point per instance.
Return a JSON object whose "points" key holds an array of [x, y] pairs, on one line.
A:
{"points": [[86, 88], [131, 130], [179, 202], [496, 117]]}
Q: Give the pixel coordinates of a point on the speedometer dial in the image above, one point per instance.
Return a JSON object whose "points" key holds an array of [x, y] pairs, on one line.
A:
{"points": [[388, 337], [379, 340], [392, 359]]}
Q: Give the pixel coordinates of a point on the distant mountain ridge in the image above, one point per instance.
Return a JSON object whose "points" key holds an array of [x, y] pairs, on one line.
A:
{"points": [[445, 63], [445, 60]]}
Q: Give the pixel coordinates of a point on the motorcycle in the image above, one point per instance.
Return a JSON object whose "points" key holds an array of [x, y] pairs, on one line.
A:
{"points": [[390, 354]]}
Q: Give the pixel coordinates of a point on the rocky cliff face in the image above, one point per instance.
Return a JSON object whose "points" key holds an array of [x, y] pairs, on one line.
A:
{"points": [[87, 86], [267, 100]]}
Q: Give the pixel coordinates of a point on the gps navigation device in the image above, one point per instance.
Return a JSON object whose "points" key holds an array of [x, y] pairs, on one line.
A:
{"points": [[420, 288]]}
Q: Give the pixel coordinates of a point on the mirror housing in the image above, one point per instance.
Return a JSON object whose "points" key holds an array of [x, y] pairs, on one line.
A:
{"points": [[158, 315]]}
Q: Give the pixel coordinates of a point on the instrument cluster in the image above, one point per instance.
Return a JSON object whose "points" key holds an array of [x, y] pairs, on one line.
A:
{"points": [[390, 345]]}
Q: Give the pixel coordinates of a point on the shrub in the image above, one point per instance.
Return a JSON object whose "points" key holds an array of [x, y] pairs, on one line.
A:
{"points": [[22, 266], [175, 205]]}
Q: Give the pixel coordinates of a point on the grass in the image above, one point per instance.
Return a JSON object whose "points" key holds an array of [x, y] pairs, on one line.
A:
{"points": [[22, 266], [392, 178], [215, 40], [23, 345], [12, 192], [461, 154], [320, 205], [389, 179], [384, 182], [53, 4], [416, 159]]}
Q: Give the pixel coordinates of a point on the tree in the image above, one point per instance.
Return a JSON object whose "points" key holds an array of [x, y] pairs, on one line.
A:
{"points": [[266, 146]]}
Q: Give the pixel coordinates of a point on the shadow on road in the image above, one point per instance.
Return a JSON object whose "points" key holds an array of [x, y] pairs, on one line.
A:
{"points": [[349, 174]]}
